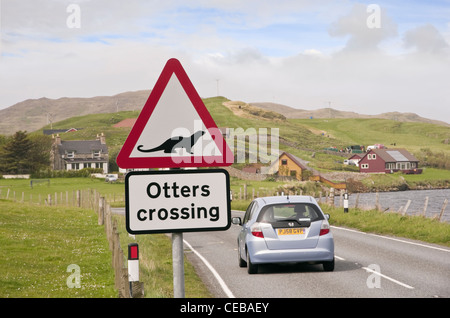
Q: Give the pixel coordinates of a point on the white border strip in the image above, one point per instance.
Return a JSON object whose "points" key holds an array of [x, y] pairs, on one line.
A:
{"points": [[224, 286]]}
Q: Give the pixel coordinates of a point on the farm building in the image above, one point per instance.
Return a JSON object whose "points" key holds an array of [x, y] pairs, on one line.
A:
{"points": [[288, 165], [354, 160], [389, 161]]}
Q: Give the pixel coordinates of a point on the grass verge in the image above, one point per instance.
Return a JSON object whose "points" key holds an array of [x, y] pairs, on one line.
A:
{"points": [[39, 243], [155, 264], [413, 227], [373, 221]]}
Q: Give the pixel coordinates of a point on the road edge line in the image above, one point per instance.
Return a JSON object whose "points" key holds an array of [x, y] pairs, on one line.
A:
{"points": [[224, 286]]}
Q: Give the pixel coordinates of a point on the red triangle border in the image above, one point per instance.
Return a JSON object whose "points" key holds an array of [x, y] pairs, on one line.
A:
{"points": [[126, 162]]}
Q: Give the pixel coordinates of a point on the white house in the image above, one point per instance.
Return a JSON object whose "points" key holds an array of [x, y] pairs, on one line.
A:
{"points": [[79, 154]]}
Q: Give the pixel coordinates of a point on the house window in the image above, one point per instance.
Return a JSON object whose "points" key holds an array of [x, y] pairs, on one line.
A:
{"points": [[390, 166], [284, 162], [372, 156], [71, 154], [99, 165], [365, 166], [75, 166], [96, 153]]}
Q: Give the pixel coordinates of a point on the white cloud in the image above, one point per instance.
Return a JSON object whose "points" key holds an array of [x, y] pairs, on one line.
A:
{"points": [[321, 53], [366, 28], [426, 38]]}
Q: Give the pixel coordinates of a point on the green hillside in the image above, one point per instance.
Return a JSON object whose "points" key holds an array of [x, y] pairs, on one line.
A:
{"points": [[409, 135], [305, 138]]}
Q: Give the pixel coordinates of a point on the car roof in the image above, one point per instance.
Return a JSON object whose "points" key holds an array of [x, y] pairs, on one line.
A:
{"points": [[286, 199]]}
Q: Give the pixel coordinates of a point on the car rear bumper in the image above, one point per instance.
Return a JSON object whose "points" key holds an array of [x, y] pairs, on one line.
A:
{"points": [[323, 252]]}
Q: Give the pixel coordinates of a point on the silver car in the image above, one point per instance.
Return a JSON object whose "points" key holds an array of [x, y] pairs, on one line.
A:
{"points": [[284, 229]]}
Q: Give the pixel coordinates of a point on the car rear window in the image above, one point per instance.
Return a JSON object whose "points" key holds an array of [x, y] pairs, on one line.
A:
{"points": [[280, 212]]}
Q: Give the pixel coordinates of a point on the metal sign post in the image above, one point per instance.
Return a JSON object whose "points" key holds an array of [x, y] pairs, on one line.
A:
{"points": [[178, 265]]}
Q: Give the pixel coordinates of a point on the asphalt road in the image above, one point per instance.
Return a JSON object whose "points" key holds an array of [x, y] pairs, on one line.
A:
{"points": [[367, 265]]}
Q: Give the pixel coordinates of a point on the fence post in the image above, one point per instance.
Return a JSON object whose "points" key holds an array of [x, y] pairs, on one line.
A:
{"points": [[78, 198], [406, 207], [101, 211], [425, 207], [443, 209], [377, 201], [331, 197], [357, 201]]}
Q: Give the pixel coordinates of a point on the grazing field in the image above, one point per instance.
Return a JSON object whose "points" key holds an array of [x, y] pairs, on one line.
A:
{"points": [[20, 190], [42, 248]]}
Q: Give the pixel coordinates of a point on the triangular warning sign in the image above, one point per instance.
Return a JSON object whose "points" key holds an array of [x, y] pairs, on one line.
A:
{"points": [[174, 128]]}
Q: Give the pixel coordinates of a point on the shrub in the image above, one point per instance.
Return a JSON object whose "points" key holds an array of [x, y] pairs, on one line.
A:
{"points": [[82, 173]]}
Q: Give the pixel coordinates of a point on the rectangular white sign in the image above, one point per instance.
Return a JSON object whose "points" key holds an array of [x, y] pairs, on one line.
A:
{"points": [[177, 201]]}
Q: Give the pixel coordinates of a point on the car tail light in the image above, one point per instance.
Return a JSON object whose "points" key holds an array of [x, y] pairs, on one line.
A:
{"points": [[256, 230], [324, 228]]}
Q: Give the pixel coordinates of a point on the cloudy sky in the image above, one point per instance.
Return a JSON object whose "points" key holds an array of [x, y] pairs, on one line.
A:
{"points": [[364, 56]]}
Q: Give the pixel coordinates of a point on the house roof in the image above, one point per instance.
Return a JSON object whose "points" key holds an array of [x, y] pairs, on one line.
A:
{"points": [[357, 156], [295, 159], [82, 146], [50, 132], [394, 155]]}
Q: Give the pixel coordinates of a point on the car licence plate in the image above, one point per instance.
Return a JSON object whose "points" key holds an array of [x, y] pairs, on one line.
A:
{"points": [[291, 231]]}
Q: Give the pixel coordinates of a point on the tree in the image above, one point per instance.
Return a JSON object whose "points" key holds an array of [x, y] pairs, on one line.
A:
{"points": [[15, 154], [39, 155]]}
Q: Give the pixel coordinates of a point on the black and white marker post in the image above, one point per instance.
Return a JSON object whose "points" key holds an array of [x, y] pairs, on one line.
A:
{"points": [[345, 202], [133, 271]]}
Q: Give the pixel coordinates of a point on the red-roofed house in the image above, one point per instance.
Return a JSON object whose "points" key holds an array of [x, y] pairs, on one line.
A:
{"points": [[389, 161]]}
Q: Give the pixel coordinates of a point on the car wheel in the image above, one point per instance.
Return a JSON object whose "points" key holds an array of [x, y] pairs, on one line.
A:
{"points": [[242, 263], [328, 266], [251, 268]]}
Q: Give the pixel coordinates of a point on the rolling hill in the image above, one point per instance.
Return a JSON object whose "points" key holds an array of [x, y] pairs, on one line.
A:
{"points": [[294, 113], [32, 114]]}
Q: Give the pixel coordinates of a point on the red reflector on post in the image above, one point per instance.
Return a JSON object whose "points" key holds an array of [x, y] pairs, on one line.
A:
{"points": [[133, 251]]}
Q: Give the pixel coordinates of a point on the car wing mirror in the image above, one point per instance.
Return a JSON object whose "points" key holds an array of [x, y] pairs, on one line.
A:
{"points": [[236, 221]]}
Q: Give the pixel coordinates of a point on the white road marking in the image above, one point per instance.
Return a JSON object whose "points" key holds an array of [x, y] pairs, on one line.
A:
{"points": [[224, 286], [387, 277]]}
